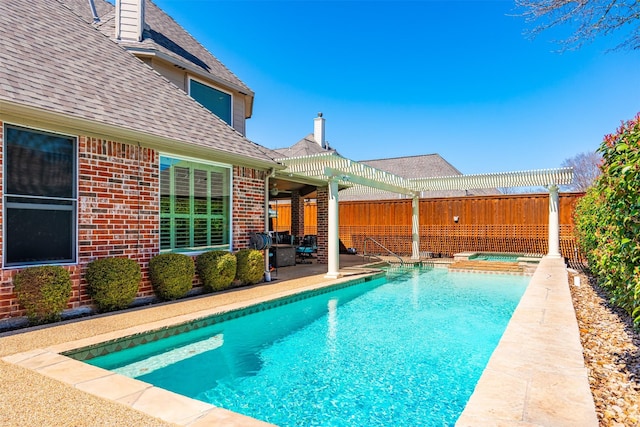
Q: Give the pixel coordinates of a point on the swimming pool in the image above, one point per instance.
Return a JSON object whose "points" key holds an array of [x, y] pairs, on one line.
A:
{"points": [[495, 257], [499, 256], [408, 352]]}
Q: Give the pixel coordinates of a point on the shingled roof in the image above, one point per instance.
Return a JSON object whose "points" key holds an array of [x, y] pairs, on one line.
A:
{"points": [[411, 167], [307, 146], [163, 36], [54, 62], [422, 166]]}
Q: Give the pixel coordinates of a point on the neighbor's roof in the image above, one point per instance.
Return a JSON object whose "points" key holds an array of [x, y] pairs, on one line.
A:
{"points": [[165, 36], [55, 64], [422, 166], [307, 146], [413, 167]]}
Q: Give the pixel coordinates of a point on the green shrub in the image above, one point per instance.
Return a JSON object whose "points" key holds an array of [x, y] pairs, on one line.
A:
{"points": [[171, 275], [43, 291], [607, 219], [217, 269], [250, 266], [113, 282]]}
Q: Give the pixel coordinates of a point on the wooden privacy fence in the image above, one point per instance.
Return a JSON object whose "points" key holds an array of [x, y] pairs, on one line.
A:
{"points": [[504, 223], [444, 241]]}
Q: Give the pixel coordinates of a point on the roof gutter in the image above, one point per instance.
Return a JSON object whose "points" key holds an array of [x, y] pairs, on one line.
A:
{"points": [[46, 120]]}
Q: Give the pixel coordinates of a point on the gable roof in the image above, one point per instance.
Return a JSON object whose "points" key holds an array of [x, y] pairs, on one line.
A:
{"points": [[414, 167], [307, 146], [421, 166], [162, 36], [61, 69]]}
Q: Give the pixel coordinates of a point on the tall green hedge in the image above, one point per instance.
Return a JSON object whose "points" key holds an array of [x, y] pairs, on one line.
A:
{"points": [[608, 219]]}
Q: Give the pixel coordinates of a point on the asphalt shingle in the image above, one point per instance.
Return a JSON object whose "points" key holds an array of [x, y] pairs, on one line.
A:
{"points": [[307, 146], [54, 60]]}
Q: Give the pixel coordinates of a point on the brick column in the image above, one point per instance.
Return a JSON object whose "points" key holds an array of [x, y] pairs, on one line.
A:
{"points": [[297, 214], [323, 224]]}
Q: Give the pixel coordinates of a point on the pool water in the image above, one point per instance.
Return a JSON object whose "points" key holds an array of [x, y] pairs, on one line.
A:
{"points": [[495, 257], [403, 352]]}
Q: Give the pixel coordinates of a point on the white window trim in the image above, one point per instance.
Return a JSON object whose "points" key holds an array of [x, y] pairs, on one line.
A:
{"points": [[190, 78], [230, 209]]}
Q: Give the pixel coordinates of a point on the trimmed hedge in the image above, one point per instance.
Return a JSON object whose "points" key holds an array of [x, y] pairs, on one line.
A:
{"points": [[250, 268], [43, 291], [171, 275], [216, 269], [113, 282]]}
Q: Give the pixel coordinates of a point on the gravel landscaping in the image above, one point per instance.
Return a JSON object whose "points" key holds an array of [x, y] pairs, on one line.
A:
{"points": [[611, 353]]}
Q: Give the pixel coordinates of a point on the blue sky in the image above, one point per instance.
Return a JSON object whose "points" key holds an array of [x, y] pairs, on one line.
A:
{"points": [[402, 78]]}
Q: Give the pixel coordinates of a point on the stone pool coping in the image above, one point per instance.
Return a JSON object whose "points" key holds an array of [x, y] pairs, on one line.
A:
{"points": [[536, 375], [539, 382]]}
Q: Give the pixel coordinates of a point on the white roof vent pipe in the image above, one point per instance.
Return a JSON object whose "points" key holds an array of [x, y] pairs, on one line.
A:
{"points": [[129, 20], [318, 131]]}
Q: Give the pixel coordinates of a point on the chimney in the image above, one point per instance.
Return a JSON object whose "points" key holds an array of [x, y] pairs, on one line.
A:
{"points": [[318, 130], [129, 20]]}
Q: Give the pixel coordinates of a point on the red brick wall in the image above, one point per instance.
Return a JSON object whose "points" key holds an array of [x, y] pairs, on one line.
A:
{"points": [[118, 213], [323, 224], [248, 205], [297, 214], [118, 199]]}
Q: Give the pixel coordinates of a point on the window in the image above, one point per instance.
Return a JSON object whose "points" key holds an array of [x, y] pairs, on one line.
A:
{"points": [[39, 198], [194, 205], [214, 100]]}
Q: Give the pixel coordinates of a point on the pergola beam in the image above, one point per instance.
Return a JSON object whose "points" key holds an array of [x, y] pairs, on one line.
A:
{"points": [[532, 178], [351, 178], [332, 168]]}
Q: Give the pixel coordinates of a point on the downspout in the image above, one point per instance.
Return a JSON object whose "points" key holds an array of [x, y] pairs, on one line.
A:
{"points": [[270, 174]]}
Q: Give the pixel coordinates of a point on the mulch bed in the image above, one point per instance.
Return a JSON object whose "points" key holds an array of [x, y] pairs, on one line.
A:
{"points": [[611, 353]]}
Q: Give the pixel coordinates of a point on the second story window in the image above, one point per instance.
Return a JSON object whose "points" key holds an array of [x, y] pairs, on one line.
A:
{"points": [[214, 100]]}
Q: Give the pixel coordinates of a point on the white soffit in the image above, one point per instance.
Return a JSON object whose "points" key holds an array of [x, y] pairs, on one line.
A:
{"points": [[366, 179]]}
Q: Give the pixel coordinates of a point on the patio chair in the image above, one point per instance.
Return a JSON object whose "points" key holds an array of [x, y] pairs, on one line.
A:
{"points": [[305, 250]]}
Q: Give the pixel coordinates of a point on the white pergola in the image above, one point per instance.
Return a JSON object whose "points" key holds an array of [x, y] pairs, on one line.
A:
{"points": [[338, 171]]}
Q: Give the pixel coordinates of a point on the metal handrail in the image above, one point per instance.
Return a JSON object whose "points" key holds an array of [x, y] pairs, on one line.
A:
{"points": [[364, 252]]}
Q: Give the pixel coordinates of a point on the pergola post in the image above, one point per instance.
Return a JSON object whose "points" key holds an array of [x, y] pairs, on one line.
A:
{"points": [[415, 227], [333, 239], [554, 227], [336, 170]]}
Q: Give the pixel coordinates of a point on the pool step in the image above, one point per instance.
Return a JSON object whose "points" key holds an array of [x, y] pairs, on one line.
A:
{"points": [[489, 266]]}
